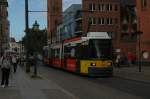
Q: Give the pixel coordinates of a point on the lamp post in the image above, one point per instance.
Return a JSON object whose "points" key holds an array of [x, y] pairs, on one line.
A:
{"points": [[139, 45], [27, 30]]}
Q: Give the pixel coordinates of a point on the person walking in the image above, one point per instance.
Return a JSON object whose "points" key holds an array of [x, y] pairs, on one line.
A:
{"points": [[118, 59], [130, 58], [14, 62], [5, 68]]}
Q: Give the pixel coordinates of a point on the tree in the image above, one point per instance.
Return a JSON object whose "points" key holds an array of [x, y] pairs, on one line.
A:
{"points": [[35, 40]]}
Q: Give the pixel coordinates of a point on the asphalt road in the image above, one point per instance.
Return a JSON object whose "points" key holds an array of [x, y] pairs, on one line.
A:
{"points": [[96, 88]]}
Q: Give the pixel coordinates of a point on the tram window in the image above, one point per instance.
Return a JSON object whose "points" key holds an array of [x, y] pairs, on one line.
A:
{"points": [[96, 49], [73, 52], [70, 51], [55, 53]]}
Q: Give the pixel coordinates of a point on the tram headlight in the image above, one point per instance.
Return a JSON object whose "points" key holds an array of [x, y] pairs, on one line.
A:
{"points": [[109, 64], [93, 64]]}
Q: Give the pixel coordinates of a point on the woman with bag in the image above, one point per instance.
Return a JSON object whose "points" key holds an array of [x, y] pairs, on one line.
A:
{"points": [[5, 68]]}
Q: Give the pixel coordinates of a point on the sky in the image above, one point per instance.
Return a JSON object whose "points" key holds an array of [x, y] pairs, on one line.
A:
{"points": [[17, 15]]}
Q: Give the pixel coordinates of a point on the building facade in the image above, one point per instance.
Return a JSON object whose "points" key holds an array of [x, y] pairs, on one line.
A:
{"points": [[128, 37], [102, 16], [143, 13], [4, 25], [72, 21], [16, 47], [71, 25], [54, 18]]}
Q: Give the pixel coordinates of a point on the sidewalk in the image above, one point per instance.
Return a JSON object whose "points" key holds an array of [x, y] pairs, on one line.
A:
{"points": [[25, 87], [133, 73]]}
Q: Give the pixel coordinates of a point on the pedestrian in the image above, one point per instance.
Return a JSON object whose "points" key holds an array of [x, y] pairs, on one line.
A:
{"points": [[14, 62], [118, 60], [5, 68], [130, 58]]}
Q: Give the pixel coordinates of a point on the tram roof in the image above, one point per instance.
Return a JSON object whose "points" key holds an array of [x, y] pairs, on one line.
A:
{"points": [[97, 35]]}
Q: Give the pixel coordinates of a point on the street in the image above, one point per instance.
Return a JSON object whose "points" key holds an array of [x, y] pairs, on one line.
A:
{"points": [[96, 88]]}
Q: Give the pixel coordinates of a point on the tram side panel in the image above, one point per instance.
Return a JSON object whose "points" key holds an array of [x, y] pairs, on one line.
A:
{"points": [[70, 58], [56, 57]]}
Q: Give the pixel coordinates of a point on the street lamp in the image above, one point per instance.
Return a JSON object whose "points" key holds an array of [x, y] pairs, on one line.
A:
{"points": [[139, 45], [27, 30]]}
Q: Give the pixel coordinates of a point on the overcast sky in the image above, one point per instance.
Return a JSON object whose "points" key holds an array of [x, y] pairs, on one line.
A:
{"points": [[17, 16]]}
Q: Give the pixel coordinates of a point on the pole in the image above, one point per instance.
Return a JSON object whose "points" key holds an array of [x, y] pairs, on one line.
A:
{"points": [[139, 53], [27, 30], [26, 15], [139, 34]]}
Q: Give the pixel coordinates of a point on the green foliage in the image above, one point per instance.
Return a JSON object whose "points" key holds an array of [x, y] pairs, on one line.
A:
{"points": [[34, 41]]}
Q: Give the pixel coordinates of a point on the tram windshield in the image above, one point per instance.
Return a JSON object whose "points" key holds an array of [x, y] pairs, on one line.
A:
{"points": [[97, 49]]}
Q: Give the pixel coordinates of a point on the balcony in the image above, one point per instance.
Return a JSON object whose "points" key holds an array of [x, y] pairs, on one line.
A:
{"points": [[78, 16], [79, 19], [78, 30]]}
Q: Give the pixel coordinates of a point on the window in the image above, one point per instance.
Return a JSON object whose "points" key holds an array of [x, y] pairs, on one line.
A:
{"points": [[92, 7], [103, 21], [144, 3], [99, 21], [110, 7], [92, 20], [101, 7], [107, 7], [55, 53], [109, 21], [70, 51]]}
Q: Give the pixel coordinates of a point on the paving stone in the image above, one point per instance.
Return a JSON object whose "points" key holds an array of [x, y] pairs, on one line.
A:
{"points": [[6, 93], [56, 94]]}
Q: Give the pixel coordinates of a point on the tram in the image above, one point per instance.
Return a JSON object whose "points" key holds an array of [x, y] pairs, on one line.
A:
{"points": [[88, 55]]}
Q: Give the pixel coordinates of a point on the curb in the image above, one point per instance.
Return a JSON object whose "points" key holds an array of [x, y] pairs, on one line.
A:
{"points": [[131, 79]]}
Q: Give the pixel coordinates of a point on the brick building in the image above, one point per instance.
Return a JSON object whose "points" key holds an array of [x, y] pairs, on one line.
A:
{"points": [[4, 24], [143, 12], [102, 16], [54, 18], [128, 37]]}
